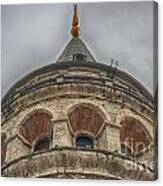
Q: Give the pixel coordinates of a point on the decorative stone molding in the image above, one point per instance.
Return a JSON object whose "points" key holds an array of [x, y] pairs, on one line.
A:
{"points": [[71, 160]]}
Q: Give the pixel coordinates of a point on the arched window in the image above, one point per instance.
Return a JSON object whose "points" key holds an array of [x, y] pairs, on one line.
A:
{"points": [[42, 144], [134, 135], [126, 150], [35, 126], [86, 117], [84, 141]]}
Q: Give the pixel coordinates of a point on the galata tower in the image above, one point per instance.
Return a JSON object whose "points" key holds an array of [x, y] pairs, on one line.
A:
{"points": [[78, 118]]}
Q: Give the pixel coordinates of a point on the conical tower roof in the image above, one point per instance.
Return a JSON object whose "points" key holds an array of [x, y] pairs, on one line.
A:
{"points": [[76, 50]]}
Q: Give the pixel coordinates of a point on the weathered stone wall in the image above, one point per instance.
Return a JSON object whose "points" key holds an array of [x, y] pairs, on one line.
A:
{"points": [[59, 99], [113, 138], [82, 162], [61, 134], [15, 149]]}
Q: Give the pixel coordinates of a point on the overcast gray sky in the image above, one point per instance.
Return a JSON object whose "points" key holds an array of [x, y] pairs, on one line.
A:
{"points": [[35, 35]]}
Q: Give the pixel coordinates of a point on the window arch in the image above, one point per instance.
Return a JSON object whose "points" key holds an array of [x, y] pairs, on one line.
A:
{"points": [[37, 124], [84, 140], [86, 118], [132, 134]]}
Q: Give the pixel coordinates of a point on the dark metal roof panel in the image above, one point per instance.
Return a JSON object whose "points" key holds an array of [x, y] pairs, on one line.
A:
{"points": [[75, 46]]}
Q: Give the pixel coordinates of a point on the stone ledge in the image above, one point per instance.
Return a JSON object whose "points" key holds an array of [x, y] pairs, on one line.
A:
{"points": [[70, 159]]}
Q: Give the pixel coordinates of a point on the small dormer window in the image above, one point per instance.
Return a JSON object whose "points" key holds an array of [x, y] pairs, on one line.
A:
{"points": [[79, 57]]}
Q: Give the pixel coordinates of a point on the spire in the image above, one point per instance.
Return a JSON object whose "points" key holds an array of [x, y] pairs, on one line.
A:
{"points": [[76, 50], [75, 22], [75, 47]]}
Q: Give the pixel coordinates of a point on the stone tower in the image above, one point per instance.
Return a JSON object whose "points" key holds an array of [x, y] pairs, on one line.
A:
{"points": [[78, 118]]}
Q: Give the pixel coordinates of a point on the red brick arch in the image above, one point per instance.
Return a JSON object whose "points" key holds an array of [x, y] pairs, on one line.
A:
{"points": [[134, 135], [86, 118], [35, 125]]}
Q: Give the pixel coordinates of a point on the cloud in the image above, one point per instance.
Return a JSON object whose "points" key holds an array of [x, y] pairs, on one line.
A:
{"points": [[34, 35]]}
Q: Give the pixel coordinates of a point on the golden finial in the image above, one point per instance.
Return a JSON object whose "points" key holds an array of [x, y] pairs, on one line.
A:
{"points": [[75, 28]]}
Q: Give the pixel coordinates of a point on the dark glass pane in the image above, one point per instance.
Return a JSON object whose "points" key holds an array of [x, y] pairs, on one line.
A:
{"points": [[42, 144], [84, 141]]}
